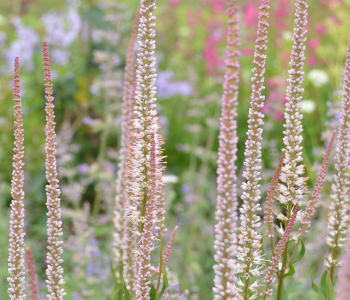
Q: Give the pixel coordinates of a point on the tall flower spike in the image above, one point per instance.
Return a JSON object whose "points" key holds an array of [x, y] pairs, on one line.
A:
{"points": [[16, 267], [147, 201], [122, 253], [248, 252], [270, 276], [169, 246], [226, 215], [292, 187], [33, 286], [147, 236], [343, 288], [310, 208], [337, 216], [268, 213], [54, 270]]}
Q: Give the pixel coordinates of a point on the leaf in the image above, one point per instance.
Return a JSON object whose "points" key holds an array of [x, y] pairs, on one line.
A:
{"points": [[127, 294], [315, 287], [323, 284], [113, 275], [152, 292], [290, 272], [301, 253], [165, 284], [330, 289]]}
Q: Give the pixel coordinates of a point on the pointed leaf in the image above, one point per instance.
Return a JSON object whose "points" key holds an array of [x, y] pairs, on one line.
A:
{"points": [[330, 289], [127, 294], [290, 272], [152, 292], [323, 284], [301, 253], [165, 284], [315, 287]]}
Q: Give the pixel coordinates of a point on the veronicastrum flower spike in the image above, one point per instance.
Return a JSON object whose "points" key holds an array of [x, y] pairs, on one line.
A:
{"points": [[16, 267], [338, 210], [123, 257], [292, 187], [147, 199], [54, 270], [248, 250], [33, 285], [268, 213], [280, 248], [226, 215]]}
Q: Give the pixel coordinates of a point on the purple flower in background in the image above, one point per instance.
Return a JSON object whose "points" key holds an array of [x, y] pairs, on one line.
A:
{"points": [[61, 30], [167, 87], [23, 46]]}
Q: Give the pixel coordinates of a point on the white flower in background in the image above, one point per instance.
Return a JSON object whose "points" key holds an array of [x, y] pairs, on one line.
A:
{"points": [[318, 77], [287, 35], [170, 178], [308, 106]]}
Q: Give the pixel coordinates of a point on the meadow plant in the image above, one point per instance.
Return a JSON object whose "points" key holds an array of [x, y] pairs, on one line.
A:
{"points": [[226, 215], [32, 281], [240, 260], [16, 266], [248, 251], [54, 270], [338, 209]]}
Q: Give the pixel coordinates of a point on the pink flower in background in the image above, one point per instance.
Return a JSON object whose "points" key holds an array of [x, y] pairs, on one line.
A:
{"points": [[247, 51], [175, 2], [321, 29], [312, 61], [313, 44], [250, 15], [218, 5], [279, 115], [266, 108], [191, 21], [282, 12]]}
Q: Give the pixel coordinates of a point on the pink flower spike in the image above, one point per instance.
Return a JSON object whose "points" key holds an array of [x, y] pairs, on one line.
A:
{"points": [[16, 267], [54, 270], [310, 208], [33, 286], [124, 241], [273, 268], [226, 208], [338, 220], [169, 246], [268, 213]]}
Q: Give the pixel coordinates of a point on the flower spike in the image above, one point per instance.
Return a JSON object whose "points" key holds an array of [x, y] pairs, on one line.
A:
{"points": [[248, 250], [226, 209], [338, 210], [123, 240], [16, 267], [54, 270], [33, 285]]}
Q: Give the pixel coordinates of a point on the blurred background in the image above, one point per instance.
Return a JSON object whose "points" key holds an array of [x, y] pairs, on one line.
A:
{"points": [[87, 43]]}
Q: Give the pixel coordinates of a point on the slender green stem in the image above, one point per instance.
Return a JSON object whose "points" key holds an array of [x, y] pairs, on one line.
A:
{"points": [[160, 261]]}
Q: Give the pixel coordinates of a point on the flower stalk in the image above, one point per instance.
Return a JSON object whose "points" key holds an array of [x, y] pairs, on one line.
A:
{"points": [[54, 270], [16, 267], [33, 286], [248, 250], [338, 211], [124, 262], [226, 209]]}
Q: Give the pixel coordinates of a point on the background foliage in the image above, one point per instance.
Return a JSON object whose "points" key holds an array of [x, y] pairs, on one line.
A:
{"points": [[87, 41]]}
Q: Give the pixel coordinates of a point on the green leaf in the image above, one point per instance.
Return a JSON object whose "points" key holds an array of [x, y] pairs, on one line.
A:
{"points": [[290, 272], [323, 284], [315, 287], [113, 275], [165, 284], [330, 289], [301, 253], [152, 292], [127, 294]]}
